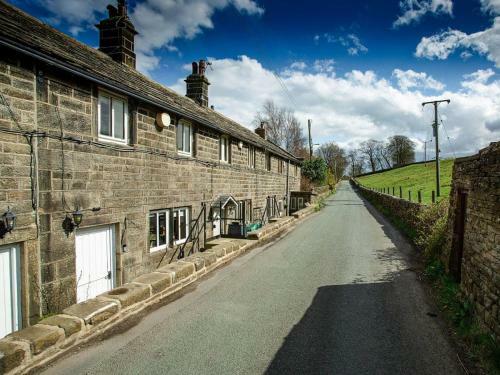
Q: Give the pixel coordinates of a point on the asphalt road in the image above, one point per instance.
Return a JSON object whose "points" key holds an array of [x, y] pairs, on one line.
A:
{"points": [[337, 295]]}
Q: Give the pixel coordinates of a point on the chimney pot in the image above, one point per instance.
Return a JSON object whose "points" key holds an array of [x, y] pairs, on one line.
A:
{"points": [[261, 130], [195, 67], [112, 11]]}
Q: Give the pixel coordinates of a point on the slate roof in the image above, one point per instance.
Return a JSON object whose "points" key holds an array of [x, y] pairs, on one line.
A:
{"points": [[28, 35]]}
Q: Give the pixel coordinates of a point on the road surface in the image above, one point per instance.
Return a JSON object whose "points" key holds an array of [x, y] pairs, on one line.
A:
{"points": [[337, 295]]}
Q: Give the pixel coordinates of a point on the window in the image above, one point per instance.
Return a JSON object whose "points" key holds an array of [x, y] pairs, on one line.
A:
{"points": [[293, 203], [300, 203], [158, 230], [295, 170], [224, 149], [184, 138], [181, 224], [280, 166], [251, 156], [112, 119], [268, 161]]}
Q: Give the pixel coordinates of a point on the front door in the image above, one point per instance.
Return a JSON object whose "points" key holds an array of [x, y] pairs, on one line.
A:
{"points": [[10, 306], [95, 266]]}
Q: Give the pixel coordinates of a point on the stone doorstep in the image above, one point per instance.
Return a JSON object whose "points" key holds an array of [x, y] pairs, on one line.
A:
{"points": [[128, 294], [15, 349], [39, 336], [156, 280]]}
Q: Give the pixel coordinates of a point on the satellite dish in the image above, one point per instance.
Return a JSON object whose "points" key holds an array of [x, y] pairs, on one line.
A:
{"points": [[162, 119]]}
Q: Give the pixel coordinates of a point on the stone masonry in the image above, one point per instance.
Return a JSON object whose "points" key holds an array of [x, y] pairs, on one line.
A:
{"points": [[53, 163], [478, 177]]}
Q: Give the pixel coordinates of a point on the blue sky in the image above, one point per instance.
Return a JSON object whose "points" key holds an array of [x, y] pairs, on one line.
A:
{"points": [[384, 55]]}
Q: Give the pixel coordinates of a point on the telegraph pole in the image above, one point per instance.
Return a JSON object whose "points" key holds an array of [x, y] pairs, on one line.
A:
{"points": [[310, 139], [436, 135]]}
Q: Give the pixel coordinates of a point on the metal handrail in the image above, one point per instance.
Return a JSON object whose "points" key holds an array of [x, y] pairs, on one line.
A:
{"points": [[195, 228]]}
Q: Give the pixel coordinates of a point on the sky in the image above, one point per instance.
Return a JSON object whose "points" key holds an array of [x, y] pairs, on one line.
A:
{"points": [[357, 69]]}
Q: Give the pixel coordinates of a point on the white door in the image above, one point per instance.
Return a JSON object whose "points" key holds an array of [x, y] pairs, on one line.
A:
{"points": [[216, 225], [95, 265], [10, 302]]}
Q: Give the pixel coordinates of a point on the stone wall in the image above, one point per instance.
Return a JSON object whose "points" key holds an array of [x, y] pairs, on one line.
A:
{"points": [[64, 166], [478, 177]]}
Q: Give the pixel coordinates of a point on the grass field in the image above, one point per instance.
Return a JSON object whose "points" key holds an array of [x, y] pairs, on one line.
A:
{"points": [[413, 177]]}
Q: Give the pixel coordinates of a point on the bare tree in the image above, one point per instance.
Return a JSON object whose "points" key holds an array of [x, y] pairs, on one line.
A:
{"points": [[401, 149], [356, 162], [335, 158], [369, 149], [382, 155], [283, 128]]}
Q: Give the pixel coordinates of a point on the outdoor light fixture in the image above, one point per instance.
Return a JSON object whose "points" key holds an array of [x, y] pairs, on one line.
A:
{"points": [[8, 222], [77, 217], [69, 224]]}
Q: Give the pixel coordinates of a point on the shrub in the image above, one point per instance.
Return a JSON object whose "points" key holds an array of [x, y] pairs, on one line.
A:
{"points": [[431, 229], [315, 170]]}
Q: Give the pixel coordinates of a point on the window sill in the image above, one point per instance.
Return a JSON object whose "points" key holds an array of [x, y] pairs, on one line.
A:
{"points": [[186, 155], [114, 141], [158, 248]]}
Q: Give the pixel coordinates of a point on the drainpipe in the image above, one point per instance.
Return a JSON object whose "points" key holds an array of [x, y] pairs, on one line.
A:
{"points": [[287, 192]]}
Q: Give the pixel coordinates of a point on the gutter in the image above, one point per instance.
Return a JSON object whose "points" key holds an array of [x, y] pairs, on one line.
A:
{"points": [[110, 85]]}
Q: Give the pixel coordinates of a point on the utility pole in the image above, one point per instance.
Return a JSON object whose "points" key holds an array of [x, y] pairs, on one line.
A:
{"points": [[436, 135], [310, 139]]}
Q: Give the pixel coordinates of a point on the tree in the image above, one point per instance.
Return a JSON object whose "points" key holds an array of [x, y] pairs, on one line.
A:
{"points": [[335, 158], [401, 149], [315, 170], [369, 149], [382, 155], [356, 161], [282, 127]]}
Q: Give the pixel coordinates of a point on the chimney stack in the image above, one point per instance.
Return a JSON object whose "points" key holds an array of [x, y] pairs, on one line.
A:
{"points": [[117, 34], [261, 130], [197, 83]]}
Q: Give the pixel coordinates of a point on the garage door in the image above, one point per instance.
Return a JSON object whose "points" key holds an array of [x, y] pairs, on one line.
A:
{"points": [[95, 268], [10, 308]]}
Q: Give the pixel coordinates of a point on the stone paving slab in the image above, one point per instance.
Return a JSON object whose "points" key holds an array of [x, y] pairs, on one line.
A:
{"points": [[158, 281], [93, 311], [12, 355], [69, 324], [128, 294], [39, 336]]}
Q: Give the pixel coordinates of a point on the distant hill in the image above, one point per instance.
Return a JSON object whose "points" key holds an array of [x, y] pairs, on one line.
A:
{"points": [[413, 177]]}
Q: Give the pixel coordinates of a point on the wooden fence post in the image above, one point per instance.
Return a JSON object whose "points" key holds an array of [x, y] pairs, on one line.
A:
{"points": [[393, 190], [400, 192], [420, 196], [433, 196], [409, 195]]}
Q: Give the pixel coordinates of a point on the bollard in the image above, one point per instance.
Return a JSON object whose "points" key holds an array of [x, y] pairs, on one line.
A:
{"points": [[420, 196], [409, 195], [433, 196], [400, 192]]}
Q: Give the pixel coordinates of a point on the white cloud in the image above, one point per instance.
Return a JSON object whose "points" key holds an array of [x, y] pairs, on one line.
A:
{"points": [[491, 6], [409, 79], [298, 65], [324, 65], [414, 10], [358, 105], [440, 46], [159, 22], [351, 42]]}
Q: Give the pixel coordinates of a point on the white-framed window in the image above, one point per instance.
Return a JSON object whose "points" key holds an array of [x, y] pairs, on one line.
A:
{"points": [[224, 149], [251, 156], [112, 118], [295, 169], [158, 230], [293, 203], [268, 161], [300, 203], [280, 165], [184, 138], [180, 224]]}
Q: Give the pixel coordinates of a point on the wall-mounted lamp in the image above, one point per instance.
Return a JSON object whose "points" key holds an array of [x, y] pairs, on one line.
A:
{"points": [[70, 223], [8, 222], [240, 145]]}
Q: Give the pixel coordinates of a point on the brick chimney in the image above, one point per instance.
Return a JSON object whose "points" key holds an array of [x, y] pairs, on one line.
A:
{"points": [[116, 35], [197, 83], [261, 130]]}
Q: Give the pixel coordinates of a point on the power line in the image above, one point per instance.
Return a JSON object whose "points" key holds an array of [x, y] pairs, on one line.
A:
{"points": [[448, 137]]}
